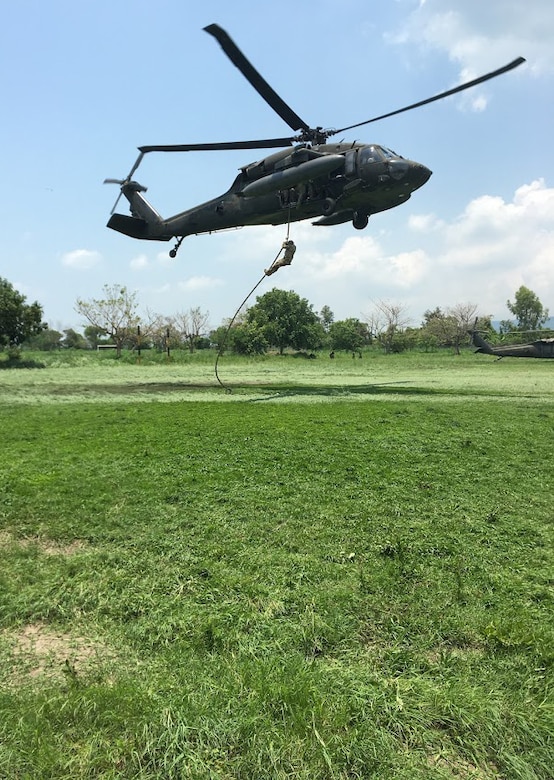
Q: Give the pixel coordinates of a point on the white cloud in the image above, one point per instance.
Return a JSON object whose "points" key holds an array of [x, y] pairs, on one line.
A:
{"points": [[81, 259], [139, 262], [199, 283], [356, 255], [361, 262], [483, 35], [408, 268], [492, 231], [163, 259], [494, 246], [424, 223]]}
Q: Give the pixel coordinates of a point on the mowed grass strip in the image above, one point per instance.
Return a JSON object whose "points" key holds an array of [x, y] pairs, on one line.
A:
{"points": [[342, 590], [88, 377]]}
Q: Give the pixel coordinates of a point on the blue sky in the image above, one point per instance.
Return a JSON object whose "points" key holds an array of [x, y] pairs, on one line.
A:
{"points": [[87, 81]]}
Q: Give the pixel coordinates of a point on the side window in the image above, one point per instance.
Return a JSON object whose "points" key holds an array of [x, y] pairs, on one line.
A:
{"points": [[350, 162], [369, 155]]}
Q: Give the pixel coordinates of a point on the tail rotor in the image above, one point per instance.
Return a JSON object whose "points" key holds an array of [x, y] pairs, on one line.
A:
{"points": [[126, 182]]}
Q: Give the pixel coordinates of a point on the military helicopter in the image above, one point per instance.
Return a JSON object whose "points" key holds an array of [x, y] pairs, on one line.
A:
{"points": [[331, 183], [541, 348]]}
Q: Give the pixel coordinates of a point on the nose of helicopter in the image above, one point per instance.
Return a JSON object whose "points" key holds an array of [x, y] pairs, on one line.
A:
{"points": [[419, 174], [408, 173]]}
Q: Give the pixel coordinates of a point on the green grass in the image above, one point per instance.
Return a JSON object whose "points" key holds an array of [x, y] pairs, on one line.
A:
{"points": [[342, 569], [92, 377]]}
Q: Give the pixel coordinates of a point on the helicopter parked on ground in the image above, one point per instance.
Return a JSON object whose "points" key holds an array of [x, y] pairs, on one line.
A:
{"points": [[541, 348], [331, 183]]}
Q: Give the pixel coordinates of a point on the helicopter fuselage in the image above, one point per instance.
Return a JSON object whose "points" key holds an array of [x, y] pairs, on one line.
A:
{"points": [[541, 348], [331, 183]]}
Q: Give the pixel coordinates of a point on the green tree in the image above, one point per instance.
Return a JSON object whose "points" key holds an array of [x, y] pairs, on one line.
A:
{"points": [[430, 315], [286, 320], [528, 310], [248, 339], [46, 341], [73, 340], [349, 334], [95, 336], [220, 338], [326, 317], [18, 319], [442, 329], [506, 326], [426, 337], [114, 315], [452, 329]]}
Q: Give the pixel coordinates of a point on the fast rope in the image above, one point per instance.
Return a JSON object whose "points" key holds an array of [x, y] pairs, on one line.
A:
{"points": [[288, 248]]}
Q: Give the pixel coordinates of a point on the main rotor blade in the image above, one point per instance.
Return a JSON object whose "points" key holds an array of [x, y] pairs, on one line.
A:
{"points": [[268, 143], [258, 82], [460, 88]]}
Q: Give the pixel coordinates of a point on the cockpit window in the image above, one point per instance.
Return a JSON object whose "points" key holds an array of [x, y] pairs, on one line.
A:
{"points": [[389, 154], [371, 154]]}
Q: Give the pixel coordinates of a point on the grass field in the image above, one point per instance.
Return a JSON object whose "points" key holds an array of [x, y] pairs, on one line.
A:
{"points": [[340, 569]]}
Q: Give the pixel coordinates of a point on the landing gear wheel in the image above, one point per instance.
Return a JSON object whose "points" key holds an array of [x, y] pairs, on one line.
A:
{"points": [[173, 252], [360, 220], [329, 205]]}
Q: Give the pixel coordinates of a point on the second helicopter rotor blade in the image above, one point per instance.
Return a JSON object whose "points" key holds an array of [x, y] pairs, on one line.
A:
{"points": [[510, 66], [268, 143], [256, 79]]}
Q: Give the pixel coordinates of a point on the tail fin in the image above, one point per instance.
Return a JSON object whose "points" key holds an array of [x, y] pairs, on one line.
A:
{"points": [[145, 222], [140, 208], [478, 341]]}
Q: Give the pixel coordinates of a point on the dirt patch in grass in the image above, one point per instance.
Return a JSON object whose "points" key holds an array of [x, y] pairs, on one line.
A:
{"points": [[45, 546], [457, 767], [54, 548], [469, 652], [38, 651]]}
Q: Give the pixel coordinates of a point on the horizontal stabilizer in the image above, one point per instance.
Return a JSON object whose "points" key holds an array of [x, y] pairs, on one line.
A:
{"points": [[133, 227]]}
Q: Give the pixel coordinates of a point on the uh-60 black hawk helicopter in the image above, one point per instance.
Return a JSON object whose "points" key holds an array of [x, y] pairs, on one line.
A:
{"points": [[540, 348], [329, 182]]}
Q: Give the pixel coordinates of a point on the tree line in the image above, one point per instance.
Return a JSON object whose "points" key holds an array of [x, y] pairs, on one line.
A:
{"points": [[279, 320]]}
